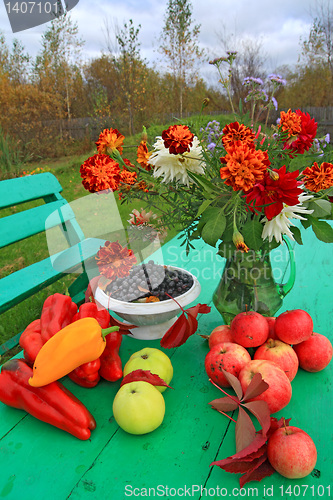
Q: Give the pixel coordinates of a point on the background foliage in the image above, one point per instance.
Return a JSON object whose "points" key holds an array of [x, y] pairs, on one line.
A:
{"points": [[38, 95]]}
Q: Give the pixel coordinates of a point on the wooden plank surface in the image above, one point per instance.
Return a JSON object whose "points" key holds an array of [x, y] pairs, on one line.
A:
{"points": [[32, 187], [37, 459]]}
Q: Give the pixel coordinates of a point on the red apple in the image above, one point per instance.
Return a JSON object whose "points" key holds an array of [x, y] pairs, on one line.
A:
{"points": [[220, 334], [271, 323], [249, 329], [225, 356], [291, 452], [279, 391], [280, 353], [293, 327], [315, 353]]}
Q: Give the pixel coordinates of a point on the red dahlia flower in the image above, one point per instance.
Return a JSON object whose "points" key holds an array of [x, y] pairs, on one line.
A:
{"points": [[300, 140], [273, 193]]}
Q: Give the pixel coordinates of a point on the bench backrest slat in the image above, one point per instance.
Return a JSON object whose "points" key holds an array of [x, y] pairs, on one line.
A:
{"points": [[33, 187], [19, 226]]}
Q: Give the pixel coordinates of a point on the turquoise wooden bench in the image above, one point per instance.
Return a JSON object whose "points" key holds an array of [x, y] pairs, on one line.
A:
{"points": [[54, 212]]}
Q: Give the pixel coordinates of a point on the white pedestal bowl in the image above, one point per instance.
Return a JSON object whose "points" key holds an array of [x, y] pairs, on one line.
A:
{"points": [[152, 319]]}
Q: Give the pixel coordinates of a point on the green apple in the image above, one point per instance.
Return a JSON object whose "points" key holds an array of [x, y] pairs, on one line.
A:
{"points": [[138, 407], [151, 359]]}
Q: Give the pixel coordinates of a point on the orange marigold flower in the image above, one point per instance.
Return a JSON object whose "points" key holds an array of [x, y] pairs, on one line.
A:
{"points": [[142, 186], [128, 177], [110, 140], [100, 172], [237, 132], [244, 166], [115, 261], [178, 139], [143, 155], [318, 178], [290, 122]]}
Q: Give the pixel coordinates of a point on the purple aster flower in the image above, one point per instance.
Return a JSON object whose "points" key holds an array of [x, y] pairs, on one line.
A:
{"points": [[275, 103], [211, 146], [251, 79], [277, 78]]}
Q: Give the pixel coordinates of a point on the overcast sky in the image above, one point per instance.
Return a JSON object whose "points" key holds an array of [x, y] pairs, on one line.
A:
{"points": [[278, 24]]}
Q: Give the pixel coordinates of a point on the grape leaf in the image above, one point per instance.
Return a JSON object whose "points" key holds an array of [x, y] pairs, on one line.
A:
{"points": [[245, 430], [256, 387], [224, 404], [235, 383], [263, 470], [184, 326], [260, 410], [144, 376], [252, 461]]}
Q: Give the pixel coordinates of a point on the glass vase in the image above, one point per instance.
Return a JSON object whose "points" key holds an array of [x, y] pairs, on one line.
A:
{"points": [[247, 284]]}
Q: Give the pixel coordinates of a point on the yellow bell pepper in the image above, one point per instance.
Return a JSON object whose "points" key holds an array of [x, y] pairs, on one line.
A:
{"points": [[80, 342]]}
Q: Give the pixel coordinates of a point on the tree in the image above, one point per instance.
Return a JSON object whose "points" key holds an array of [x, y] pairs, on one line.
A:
{"points": [[57, 66], [132, 71], [313, 84], [318, 47], [249, 61], [179, 44]]}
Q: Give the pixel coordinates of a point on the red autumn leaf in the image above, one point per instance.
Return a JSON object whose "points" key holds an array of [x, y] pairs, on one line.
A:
{"points": [[258, 442], [198, 309], [224, 404], [261, 411], [256, 386], [242, 456], [144, 376], [184, 326], [245, 430], [235, 383], [277, 424], [176, 335], [240, 466], [264, 470]]}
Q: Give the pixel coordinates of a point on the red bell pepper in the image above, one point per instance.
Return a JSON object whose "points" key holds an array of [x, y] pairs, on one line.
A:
{"points": [[52, 403], [31, 341], [87, 375], [111, 366], [58, 311], [90, 310]]}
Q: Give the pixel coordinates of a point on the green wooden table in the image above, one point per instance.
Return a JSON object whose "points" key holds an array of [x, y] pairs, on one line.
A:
{"points": [[39, 461]]}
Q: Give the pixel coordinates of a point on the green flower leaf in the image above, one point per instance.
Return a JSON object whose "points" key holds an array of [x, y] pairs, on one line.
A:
{"points": [[214, 227], [296, 234], [321, 208], [207, 186], [204, 205], [322, 230], [252, 231]]}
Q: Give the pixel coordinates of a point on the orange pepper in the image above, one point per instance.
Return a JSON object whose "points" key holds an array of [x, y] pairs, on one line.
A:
{"points": [[80, 342]]}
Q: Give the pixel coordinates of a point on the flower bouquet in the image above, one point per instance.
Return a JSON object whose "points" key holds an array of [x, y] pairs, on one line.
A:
{"points": [[240, 187]]}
